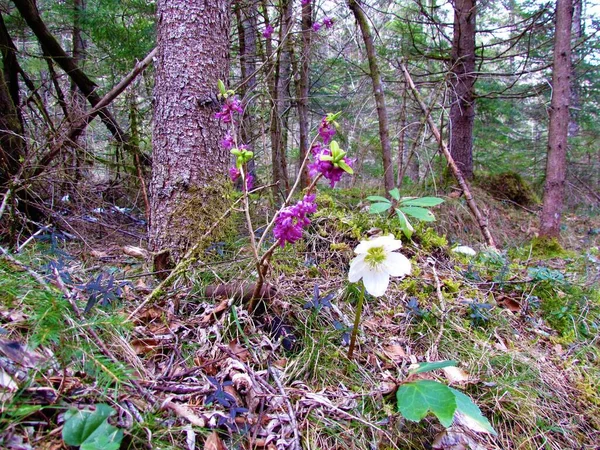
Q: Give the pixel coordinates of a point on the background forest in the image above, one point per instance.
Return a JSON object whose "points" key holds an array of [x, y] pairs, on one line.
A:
{"points": [[174, 273]]}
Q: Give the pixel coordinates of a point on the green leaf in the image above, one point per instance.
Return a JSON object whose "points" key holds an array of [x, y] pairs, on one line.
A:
{"points": [[222, 88], [334, 147], [345, 167], [405, 225], [377, 208], [326, 158], [378, 198], [418, 398], [429, 366], [90, 429], [395, 193], [469, 414], [419, 213], [424, 201]]}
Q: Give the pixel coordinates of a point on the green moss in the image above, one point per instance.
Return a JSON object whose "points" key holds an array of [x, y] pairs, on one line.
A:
{"points": [[510, 186], [548, 248], [428, 239]]}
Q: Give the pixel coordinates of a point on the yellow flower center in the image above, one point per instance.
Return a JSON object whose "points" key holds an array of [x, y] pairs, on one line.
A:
{"points": [[375, 256]]}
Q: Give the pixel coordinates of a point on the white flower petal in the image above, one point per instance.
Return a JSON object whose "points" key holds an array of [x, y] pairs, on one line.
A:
{"points": [[465, 250], [388, 242], [397, 265], [376, 282], [357, 268], [364, 246]]}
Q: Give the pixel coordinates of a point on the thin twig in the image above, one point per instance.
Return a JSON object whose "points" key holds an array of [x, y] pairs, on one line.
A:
{"points": [[293, 422]]}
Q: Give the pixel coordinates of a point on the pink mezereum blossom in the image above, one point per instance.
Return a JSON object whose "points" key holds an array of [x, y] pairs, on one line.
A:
{"points": [[268, 31], [316, 26], [326, 131], [292, 220], [326, 168], [231, 106], [328, 22], [227, 142]]}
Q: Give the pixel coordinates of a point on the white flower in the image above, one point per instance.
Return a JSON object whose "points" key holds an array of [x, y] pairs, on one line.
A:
{"points": [[376, 262], [465, 250]]}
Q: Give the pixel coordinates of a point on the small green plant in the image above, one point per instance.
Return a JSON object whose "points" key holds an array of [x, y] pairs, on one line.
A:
{"points": [[405, 206], [90, 430], [416, 399]]}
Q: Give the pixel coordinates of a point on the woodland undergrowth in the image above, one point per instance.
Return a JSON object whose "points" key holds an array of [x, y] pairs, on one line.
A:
{"points": [[195, 371]]}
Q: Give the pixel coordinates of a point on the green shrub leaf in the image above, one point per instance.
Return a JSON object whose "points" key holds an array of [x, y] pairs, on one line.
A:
{"points": [[424, 201], [429, 366], [405, 225], [469, 414], [419, 213], [377, 208], [418, 398], [395, 194], [90, 429], [378, 198]]}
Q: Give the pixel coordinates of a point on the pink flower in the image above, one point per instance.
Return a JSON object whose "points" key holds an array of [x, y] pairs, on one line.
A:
{"points": [[249, 182], [291, 221], [328, 22], [234, 173], [329, 171], [326, 131], [268, 31], [232, 105], [227, 142], [305, 2], [316, 26]]}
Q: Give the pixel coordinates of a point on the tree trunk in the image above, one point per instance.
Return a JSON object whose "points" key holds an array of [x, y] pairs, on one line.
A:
{"points": [[51, 47], [576, 35], [303, 88], [462, 81], [246, 15], [188, 163], [556, 164], [384, 136]]}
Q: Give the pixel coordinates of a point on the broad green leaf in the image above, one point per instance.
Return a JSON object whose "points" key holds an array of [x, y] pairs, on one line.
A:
{"points": [[345, 167], [429, 366], [405, 225], [395, 193], [90, 429], [418, 398], [222, 88], [469, 414], [377, 198], [377, 208], [424, 201], [419, 213]]}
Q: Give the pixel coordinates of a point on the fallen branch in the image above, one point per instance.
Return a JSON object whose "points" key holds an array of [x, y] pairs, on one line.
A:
{"points": [[481, 221]]}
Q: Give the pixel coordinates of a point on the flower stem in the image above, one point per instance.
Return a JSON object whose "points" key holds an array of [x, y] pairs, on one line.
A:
{"points": [[359, 308]]}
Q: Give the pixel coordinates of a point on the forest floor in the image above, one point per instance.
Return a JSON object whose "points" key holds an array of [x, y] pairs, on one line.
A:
{"points": [[190, 371]]}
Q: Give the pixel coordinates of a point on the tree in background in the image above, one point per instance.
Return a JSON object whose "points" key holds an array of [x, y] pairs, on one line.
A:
{"points": [[188, 162], [556, 164]]}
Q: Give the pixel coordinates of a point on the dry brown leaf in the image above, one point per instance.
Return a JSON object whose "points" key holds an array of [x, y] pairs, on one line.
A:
{"points": [[209, 317], [98, 254], [143, 346], [8, 387], [18, 353], [511, 304], [395, 352], [136, 252], [214, 442], [239, 350], [456, 375]]}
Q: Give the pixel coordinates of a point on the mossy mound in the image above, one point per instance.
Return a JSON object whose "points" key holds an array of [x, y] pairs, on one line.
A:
{"points": [[509, 186]]}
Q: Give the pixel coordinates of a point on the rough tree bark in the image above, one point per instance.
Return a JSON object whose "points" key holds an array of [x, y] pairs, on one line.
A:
{"points": [[302, 90], [556, 163], [384, 135], [188, 163], [462, 82]]}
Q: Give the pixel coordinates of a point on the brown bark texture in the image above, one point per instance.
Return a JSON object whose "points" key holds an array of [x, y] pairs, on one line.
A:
{"points": [[303, 89], [188, 162], [384, 135], [556, 163], [462, 82]]}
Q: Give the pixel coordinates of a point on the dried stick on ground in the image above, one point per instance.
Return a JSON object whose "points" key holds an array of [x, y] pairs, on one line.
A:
{"points": [[481, 221]]}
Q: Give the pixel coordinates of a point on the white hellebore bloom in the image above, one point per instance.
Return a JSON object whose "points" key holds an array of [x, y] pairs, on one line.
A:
{"points": [[376, 262], [465, 250]]}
